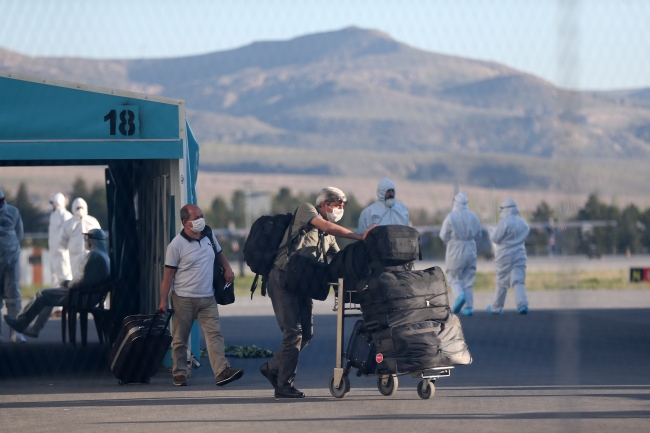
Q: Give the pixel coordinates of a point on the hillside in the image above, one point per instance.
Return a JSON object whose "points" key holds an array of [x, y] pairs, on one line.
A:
{"points": [[358, 89]]}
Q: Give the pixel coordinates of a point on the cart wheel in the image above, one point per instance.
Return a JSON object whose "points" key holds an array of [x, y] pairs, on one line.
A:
{"points": [[343, 389], [387, 385], [426, 389], [120, 382]]}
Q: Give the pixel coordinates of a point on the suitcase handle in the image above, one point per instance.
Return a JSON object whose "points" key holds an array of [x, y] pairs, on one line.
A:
{"points": [[170, 312]]}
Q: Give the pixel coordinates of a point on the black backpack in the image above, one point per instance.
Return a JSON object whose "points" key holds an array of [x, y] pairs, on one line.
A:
{"points": [[263, 243]]}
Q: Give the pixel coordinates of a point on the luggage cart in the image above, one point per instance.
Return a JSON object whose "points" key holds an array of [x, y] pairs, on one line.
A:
{"points": [[386, 383]]}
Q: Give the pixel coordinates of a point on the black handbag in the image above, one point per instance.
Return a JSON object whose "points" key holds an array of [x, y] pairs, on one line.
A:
{"points": [[224, 293], [307, 276]]}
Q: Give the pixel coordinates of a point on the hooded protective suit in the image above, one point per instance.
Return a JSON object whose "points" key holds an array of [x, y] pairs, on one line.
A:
{"points": [[72, 237], [459, 231], [95, 270], [382, 213], [510, 256], [59, 256], [11, 234]]}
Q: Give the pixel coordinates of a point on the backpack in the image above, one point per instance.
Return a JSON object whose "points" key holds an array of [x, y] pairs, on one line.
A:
{"points": [[263, 243]]}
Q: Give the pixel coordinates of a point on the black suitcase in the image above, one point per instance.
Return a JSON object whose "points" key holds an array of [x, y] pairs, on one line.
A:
{"points": [[140, 347], [361, 350], [401, 298], [393, 244], [408, 348]]}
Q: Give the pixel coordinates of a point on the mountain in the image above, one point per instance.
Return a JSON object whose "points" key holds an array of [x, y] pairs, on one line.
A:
{"points": [[358, 89]]}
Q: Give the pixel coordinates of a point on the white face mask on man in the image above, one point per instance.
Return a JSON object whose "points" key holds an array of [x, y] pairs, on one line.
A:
{"points": [[390, 202], [80, 212], [197, 225], [335, 216]]}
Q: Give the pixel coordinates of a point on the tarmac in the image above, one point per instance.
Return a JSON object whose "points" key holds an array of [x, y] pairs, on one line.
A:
{"points": [[578, 362]]}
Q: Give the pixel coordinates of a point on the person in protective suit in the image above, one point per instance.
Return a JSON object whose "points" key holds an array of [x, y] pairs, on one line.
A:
{"points": [[459, 231], [386, 210], [11, 234], [95, 270], [510, 258], [72, 237]]}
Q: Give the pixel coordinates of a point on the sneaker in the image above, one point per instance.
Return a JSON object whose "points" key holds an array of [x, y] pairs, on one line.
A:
{"points": [[180, 380], [467, 312], [489, 310], [14, 323], [289, 393], [17, 337], [266, 372], [229, 375], [460, 301], [523, 310]]}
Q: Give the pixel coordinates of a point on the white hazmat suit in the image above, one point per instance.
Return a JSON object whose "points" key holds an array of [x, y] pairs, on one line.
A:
{"points": [[59, 256], [384, 212], [72, 236], [459, 231], [510, 258]]}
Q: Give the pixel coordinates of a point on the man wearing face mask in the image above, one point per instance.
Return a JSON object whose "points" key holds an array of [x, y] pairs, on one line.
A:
{"points": [[72, 235], [510, 258], [188, 276], [95, 270], [386, 210], [11, 234], [294, 312]]}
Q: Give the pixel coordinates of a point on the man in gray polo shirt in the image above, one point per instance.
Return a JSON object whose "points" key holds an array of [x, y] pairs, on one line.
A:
{"points": [[188, 275], [294, 312]]}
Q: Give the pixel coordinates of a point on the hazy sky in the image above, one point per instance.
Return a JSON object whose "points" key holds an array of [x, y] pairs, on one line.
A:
{"points": [[587, 44]]}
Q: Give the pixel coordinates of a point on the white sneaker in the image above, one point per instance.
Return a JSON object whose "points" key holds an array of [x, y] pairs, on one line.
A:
{"points": [[17, 337]]}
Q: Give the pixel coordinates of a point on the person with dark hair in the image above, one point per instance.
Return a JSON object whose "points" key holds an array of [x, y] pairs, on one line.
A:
{"points": [[294, 312], [11, 234], [187, 285], [95, 270]]}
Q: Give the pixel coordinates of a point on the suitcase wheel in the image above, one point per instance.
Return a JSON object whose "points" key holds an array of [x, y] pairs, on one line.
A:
{"points": [[147, 380], [387, 384], [120, 382], [426, 389], [343, 389]]}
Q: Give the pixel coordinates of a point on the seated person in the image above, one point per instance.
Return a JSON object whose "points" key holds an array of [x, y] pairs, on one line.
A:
{"points": [[95, 270]]}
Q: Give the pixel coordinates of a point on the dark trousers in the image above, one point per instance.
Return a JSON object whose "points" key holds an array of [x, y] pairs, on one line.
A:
{"points": [[296, 319], [53, 297]]}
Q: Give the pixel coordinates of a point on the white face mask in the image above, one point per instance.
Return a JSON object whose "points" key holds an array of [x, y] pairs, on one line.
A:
{"points": [[335, 216], [390, 202], [80, 213], [198, 225]]}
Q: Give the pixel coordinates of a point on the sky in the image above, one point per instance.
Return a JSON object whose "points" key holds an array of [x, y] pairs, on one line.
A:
{"points": [[581, 44]]}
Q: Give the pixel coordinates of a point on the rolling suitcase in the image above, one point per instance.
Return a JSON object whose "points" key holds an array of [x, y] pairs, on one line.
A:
{"points": [[361, 351], [140, 347]]}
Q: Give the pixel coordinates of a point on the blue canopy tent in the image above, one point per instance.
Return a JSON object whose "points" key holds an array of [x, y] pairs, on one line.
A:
{"points": [[152, 160]]}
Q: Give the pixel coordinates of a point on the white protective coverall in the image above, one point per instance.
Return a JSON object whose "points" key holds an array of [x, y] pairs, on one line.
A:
{"points": [[59, 256], [72, 236], [11, 234], [459, 231], [382, 213], [510, 256]]}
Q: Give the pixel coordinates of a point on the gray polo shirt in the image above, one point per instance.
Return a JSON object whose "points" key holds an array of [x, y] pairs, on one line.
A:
{"points": [[193, 260]]}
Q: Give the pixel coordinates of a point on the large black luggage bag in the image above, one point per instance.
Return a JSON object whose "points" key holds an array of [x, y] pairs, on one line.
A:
{"points": [[361, 350], [400, 298], [408, 348], [140, 347], [393, 244]]}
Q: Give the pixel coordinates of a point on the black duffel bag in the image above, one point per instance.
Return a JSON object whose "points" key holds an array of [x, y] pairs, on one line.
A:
{"points": [[393, 245], [224, 293], [306, 276]]}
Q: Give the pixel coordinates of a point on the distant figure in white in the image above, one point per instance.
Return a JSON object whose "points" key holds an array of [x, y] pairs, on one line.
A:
{"points": [[386, 210], [72, 236], [459, 231], [59, 257], [510, 258]]}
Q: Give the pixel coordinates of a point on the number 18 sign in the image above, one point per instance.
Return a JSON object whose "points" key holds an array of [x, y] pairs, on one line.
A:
{"points": [[123, 121]]}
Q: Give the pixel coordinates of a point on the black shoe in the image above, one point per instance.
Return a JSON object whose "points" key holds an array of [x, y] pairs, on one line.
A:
{"points": [[289, 393], [14, 324], [266, 372], [229, 375]]}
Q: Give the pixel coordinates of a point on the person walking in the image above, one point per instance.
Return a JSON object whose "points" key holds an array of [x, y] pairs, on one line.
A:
{"points": [[510, 258], [459, 232], [294, 312], [11, 234], [187, 285]]}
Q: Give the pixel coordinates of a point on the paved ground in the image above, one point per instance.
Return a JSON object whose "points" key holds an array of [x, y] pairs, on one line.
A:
{"points": [[577, 369]]}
